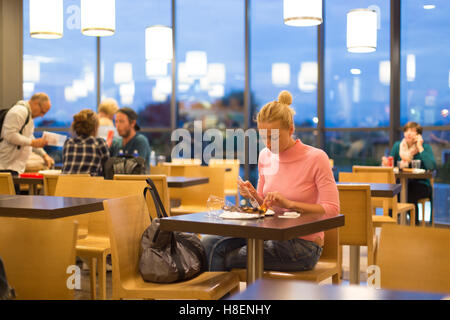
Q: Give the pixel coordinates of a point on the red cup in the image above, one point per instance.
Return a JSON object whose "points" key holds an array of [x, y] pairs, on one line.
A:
{"points": [[390, 161]]}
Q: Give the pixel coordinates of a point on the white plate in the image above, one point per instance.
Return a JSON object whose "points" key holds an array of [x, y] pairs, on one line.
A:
{"points": [[238, 215], [418, 170], [49, 171]]}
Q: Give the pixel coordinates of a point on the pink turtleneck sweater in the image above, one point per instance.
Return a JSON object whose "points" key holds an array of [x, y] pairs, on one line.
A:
{"points": [[301, 173]]}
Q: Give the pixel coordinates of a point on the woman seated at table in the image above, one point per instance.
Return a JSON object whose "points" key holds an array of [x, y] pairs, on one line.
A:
{"points": [[292, 177], [85, 153], [412, 147]]}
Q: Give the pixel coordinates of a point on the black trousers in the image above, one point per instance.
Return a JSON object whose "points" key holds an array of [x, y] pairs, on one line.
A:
{"points": [[416, 191]]}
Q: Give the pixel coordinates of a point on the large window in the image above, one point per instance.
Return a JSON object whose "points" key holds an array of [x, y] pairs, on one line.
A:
{"points": [[356, 84], [63, 68], [425, 63], [210, 63], [282, 58], [126, 75]]}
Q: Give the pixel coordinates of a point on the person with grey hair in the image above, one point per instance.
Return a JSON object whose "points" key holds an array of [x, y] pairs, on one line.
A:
{"points": [[17, 139]]}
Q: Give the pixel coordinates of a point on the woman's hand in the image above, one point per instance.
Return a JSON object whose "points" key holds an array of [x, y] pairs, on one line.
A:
{"points": [[419, 142], [246, 189], [277, 199], [384, 161]]}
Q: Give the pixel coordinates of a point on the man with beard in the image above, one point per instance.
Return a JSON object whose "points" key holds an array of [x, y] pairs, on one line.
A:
{"points": [[130, 141]]}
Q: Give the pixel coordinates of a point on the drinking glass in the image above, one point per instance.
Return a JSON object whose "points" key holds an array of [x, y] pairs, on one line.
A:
{"points": [[214, 205], [416, 164]]}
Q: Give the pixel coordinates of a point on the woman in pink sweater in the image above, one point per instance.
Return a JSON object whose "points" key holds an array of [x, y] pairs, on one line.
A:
{"points": [[292, 177]]}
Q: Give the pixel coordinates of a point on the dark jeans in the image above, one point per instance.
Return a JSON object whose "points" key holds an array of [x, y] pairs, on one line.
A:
{"points": [[14, 174], [225, 253], [416, 191]]}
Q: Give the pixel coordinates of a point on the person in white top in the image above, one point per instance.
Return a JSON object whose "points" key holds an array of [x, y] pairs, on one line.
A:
{"points": [[16, 146]]}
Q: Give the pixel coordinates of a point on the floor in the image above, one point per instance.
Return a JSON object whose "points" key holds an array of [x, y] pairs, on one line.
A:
{"points": [[85, 293]]}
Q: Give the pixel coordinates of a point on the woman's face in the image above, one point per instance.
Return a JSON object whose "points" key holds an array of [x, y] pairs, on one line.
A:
{"points": [[277, 138], [410, 136]]}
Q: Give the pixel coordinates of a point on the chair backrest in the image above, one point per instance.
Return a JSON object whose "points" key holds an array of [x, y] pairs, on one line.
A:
{"points": [[127, 218], [160, 184], [231, 177], [416, 259], [37, 254], [50, 181], [6, 183], [355, 205], [160, 169], [375, 174], [186, 161], [198, 195], [99, 188]]}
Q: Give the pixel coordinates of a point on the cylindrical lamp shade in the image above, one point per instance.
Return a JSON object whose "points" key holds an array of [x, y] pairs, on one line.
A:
{"points": [[196, 64], [281, 74], [123, 72], [158, 43], [98, 17], [46, 19], [307, 77], [216, 73], [302, 13], [361, 30]]}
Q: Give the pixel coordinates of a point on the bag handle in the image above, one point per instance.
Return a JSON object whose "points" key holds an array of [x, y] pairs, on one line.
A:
{"points": [[160, 210]]}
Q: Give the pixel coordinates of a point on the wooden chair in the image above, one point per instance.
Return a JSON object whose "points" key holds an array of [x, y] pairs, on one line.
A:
{"points": [[37, 254], [6, 184], [160, 169], [193, 199], [414, 259], [50, 181], [178, 166], [127, 219], [355, 205], [327, 266], [421, 202], [160, 184], [378, 221], [386, 175], [231, 177], [96, 246]]}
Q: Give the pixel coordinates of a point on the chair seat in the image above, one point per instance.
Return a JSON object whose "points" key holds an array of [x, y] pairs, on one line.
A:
{"points": [[185, 209], [93, 245], [206, 286], [379, 221], [324, 269], [403, 207]]}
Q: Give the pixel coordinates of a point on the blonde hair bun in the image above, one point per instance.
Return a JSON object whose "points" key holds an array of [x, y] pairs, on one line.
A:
{"points": [[285, 97]]}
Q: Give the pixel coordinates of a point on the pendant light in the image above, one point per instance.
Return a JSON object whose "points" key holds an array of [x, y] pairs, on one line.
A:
{"points": [[281, 74], [46, 19], [302, 13], [361, 30], [98, 17], [158, 43]]}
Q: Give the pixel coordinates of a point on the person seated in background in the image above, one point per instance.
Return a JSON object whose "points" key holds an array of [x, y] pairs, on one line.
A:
{"points": [[129, 141], [85, 153], [412, 147], [106, 111]]}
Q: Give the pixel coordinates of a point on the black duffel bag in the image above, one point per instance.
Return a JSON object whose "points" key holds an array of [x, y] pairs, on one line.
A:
{"points": [[168, 256], [125, 164]]}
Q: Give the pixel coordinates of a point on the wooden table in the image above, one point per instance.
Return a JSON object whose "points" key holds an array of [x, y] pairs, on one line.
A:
{"points": [[271, 289], [183, 182], [405, 176], [254, 230], [46, 207], [383, 190]]}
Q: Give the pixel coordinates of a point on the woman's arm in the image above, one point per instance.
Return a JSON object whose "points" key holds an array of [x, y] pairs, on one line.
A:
{"points": [[427, 157]]}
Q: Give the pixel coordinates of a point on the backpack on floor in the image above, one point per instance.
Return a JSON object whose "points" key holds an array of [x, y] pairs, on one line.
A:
{"points": [[169, 256]]}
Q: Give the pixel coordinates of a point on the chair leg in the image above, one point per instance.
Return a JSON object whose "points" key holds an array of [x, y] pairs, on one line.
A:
{"points": [[412, 215], [354, 264], [93, 277], [237, 199], [336, 279], [102, 276]]}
